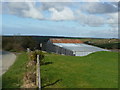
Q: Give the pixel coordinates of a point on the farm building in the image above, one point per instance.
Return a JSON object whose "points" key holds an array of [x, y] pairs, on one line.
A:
{"points": [[72, 47]]}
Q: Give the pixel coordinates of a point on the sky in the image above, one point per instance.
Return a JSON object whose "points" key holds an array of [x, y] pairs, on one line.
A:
{"points": [[96, 19]]}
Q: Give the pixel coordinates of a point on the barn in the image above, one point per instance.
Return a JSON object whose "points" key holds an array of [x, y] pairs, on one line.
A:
{"points": [[72, 47]]}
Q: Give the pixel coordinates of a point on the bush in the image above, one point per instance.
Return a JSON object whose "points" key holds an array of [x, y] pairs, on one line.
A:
{"points": [[18, 43], [8, 46], [33, 56]]}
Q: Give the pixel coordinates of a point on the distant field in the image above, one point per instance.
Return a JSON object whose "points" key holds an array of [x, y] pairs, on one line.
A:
{"points": [[103, 43], [97, 70]]}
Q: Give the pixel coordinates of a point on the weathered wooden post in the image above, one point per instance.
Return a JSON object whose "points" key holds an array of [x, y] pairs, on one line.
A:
{"points": [[28, 50], [41, 46], [38, 81]]}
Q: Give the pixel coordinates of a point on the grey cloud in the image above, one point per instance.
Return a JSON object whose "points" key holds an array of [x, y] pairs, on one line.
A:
{"points": [[108, 33], [14, 8], [24, 9], [113, 19], [47, 5], [90, 20], [100, 8], [119, 6], [58, 6], [63, 11]]}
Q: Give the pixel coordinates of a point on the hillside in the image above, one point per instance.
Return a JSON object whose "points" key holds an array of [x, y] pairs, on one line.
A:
{"points": [[97, 70]]}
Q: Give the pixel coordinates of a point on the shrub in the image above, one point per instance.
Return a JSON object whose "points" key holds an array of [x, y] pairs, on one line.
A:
{"points": [[18, 43], [8, 46], [33, 56]]}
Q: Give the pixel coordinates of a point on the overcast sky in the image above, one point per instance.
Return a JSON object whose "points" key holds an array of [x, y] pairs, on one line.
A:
{"points": [[82, 19]]}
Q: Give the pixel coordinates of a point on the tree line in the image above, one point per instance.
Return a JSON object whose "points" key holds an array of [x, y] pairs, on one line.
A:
{"points": [[18, 43]]}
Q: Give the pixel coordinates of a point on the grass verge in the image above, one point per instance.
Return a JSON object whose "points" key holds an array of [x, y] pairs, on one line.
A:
{"points": [[14, 76], [97, 70]]}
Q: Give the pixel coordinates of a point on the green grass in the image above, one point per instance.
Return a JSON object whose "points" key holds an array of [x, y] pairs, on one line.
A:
{"points": [[0, 82], [109, 45], [97, 70], [14, 76], [104, 43]]}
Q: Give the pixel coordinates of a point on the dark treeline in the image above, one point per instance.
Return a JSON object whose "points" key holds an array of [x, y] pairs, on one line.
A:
{"points": [[18, 43], [21, 43]]}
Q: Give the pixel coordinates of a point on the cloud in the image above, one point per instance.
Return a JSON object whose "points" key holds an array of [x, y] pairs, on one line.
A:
{"points": [[65, 14], [90, 20], [32, 12], [0, 8], [60, 0], [59, 6], [99, 8], [93, 14], [98, 0], [22, 9], [113, 19], [107, 33]]}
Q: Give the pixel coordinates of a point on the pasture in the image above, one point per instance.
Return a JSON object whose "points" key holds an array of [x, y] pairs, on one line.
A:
{"points": [[97, 70]]}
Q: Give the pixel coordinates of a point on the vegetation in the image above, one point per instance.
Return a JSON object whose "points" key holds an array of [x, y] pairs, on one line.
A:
{"points": [[109, 45], [103, 43], [30, 76], [0, 82], [33, 56], [97, 70], [23, 72], [13, 77], [17, 43]]}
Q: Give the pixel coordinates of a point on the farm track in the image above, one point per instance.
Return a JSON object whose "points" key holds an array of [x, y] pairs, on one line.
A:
{"points": [[7, 60]]}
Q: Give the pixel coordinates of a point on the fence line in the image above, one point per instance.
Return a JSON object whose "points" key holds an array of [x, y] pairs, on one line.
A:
{"points": [[38, 73]]}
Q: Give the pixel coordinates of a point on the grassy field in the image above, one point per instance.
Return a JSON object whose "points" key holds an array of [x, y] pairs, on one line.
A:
{"points": [[13, 77], [97, 70], [103, 43]]}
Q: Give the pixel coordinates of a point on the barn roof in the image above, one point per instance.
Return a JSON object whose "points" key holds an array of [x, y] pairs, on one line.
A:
{"points": [[65, 41], [79, 49]]}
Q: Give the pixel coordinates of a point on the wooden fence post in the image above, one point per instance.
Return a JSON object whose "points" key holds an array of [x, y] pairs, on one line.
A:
{"points": [[38, 73]]}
